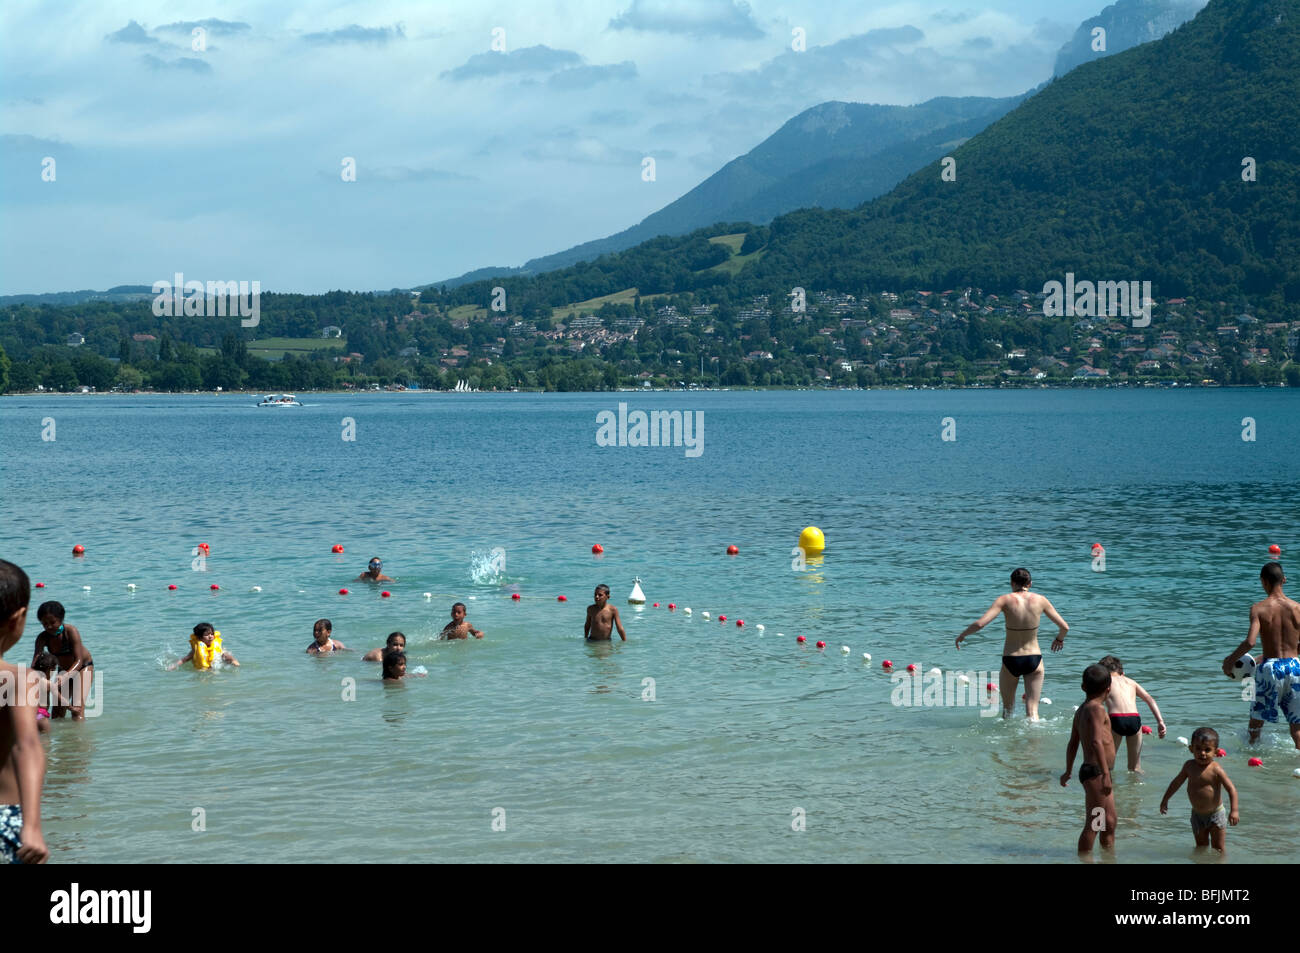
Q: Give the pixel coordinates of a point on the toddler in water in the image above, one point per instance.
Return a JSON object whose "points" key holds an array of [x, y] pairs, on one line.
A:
{"points": [[322, 644], [45, 663], [395, 641], [205, 649], [459, 627], [1121, 708], [1205, 779], [395, 666]]}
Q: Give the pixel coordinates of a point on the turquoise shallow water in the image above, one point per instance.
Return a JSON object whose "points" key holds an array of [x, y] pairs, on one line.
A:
{"points": [[744, 728]]}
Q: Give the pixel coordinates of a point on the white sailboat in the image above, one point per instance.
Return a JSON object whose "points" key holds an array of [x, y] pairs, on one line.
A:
{"points": [[462, 387]]}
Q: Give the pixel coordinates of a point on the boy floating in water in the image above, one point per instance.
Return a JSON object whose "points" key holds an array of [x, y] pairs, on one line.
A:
{"points": [[1092, 731], [374, 572], [64, 643], [1205, 779], [1121, 708], [459, 627], [22, 756], [322, 643], [395, 641], [1277, 675], [205, 649], [601, 618], [1021, 656]]}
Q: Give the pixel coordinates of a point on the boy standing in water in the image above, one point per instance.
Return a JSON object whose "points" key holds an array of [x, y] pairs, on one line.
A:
{"points": [[601, 618], [1205, 779], [459, 627], [22, 757], [1021, 656], [1277, 675], [1092, 731], [1121, 708]]}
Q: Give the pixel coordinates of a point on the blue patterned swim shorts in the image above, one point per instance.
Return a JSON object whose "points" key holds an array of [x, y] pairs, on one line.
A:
{"points": [[11, 832], [1277, 686]]}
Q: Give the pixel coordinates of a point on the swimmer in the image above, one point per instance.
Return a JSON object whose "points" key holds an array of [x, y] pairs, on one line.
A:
{"points": [[1205, 779], [374, 572], [1121, 708], [22, 756], [322, 643], [395, 641], [64, 643], [395, 666], [205, 649], [1276, 620], [459, 627], [1021, 656], [1092, 730], [601, 618]]}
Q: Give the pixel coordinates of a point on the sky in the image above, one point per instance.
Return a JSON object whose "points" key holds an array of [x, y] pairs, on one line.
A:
{"points": [[481, 133]]}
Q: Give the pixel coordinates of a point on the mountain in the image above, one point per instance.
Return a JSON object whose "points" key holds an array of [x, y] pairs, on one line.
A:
{"points": [[1128, 23], [1132, 168], [119, 293]]}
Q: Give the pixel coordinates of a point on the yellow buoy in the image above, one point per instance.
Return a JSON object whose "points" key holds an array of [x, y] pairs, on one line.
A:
{"points": [[811, 540]]}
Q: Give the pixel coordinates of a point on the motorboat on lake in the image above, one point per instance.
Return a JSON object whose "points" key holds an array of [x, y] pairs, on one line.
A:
{"points": [[279, 400]]}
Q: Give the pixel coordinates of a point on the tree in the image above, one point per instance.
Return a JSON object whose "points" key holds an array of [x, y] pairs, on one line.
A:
{"points": [[4, 370]]}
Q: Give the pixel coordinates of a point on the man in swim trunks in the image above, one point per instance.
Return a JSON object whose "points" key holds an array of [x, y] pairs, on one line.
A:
{"points": [[22, 756], [374, 572], [1091, 730], [1121, 708], [1021, 656], [75, 663], [1276, 620]]}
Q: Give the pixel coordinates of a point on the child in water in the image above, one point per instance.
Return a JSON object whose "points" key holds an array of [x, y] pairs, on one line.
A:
{"points": [[601, 618], [64, 643], [205, 649], [322, 644], [1205, 779], [459, 627], [395, 666], [1121, 709], [45, 663], [395, 641], [1092, 731]]}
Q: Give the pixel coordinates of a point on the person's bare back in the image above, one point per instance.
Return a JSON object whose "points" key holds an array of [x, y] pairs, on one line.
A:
{"points": [[1278, 617], [1274, 621]]}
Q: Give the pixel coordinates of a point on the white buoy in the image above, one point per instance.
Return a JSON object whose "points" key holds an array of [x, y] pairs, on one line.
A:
{"points": [[761, 627], [1183, 741], [85, 589], [257, 588], [428, 595], [636, 597], [845, 650], [780, 636], [1296, 773], [935, 671], [866, 656], [131, 586], [687, 610], [963, 680], [704, 615], [1045, 701], [472, 598]]}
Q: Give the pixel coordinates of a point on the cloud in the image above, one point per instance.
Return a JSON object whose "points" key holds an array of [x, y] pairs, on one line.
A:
{"points": [[211, 25], [585, 77], [400, 173], [977, 43], [569, 146], [530, 59], [377, 35], [131, 33], [614, 117], [184, 63], [731, 19]]}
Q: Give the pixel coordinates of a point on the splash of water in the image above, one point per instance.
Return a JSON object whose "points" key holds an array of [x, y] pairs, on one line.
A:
{"points": [[488, 569]]}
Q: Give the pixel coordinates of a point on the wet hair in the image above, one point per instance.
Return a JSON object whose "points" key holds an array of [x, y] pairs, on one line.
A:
{"points": [[1272, 575], [455, 604], [329, 626], [1095, 680], [203, 628], [45, 662], [394, 636], [1206, 734], [392, 658], [51, 608], [603, 588], [1020, 578], [373, 560], [15, 590], [1112, 664]]}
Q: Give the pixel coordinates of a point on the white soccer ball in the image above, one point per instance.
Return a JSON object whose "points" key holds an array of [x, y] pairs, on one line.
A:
{"points": [[1244, 667]]}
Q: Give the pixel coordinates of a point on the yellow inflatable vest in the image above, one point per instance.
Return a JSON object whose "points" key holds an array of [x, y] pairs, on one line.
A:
{"points": [[204, 655]]}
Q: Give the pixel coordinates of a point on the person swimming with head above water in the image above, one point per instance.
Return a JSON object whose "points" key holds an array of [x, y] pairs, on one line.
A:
{"points": [[65, 644], [395, 641], [322, 643], [205, 649], [395, 667], [1021, 656], [374, 572], [459, 627]]}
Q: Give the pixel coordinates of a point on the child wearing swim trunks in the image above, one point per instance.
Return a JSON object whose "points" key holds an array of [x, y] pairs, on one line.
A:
{"points": [[459, 627], [1206, 780], [1092, 731], [22, 756], [75, 662], [602, 618], [205, 649], [1121, 709], [395, 641], [321, 643]]}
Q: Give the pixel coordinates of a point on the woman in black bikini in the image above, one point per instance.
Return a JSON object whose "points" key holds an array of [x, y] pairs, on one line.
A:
{"points": [[76, 666]]}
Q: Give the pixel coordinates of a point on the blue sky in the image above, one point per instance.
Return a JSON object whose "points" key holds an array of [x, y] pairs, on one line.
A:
{"points": [[225, 163]]}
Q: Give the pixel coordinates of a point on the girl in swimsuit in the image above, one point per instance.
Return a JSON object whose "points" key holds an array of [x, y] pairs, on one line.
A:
{"points": [[75, 662]]}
